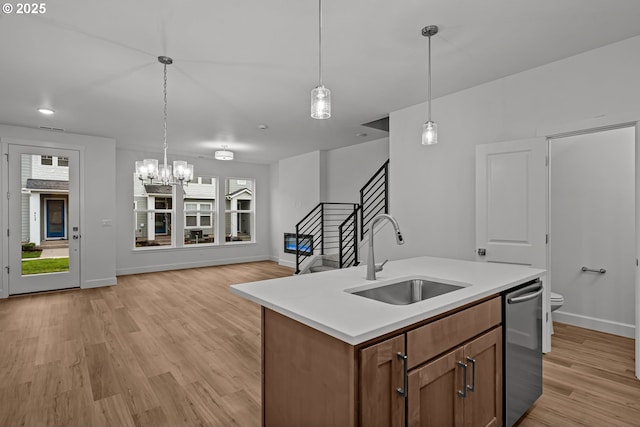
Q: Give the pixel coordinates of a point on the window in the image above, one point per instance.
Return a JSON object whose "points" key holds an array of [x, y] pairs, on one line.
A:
{"points": [[156, 206], [153, 213], [46, 160], [239, 209], [63, 161]]}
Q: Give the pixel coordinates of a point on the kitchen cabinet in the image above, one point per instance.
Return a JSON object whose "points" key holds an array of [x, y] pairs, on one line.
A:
{"points": [[463, 387], [412, 376]]}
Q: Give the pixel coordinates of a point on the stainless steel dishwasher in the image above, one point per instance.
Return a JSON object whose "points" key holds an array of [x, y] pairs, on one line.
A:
{"points": [[522, 329]]}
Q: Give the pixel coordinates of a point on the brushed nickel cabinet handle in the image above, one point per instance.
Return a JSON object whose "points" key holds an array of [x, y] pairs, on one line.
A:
{"points": [[403, 391], [463, 392]]}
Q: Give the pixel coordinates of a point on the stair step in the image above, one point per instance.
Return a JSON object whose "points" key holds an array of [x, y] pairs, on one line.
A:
{"points": [[319, 268]]}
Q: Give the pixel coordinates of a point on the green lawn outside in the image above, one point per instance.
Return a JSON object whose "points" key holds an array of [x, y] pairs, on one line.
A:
{"points": [[31, 254], [47, 265]]}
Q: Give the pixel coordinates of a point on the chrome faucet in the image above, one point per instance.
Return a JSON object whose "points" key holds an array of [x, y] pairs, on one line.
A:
{"points": [[372, 268]]}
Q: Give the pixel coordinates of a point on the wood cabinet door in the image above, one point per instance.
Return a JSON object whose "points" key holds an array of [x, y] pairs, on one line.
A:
{"points": [[483, 404], [381, 374], [433, 392]]}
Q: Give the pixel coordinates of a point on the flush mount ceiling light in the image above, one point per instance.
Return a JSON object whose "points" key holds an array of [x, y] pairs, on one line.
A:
{"points": [[223, 154], [147, 170], [320, 95], [46, 111], [430, 128]]}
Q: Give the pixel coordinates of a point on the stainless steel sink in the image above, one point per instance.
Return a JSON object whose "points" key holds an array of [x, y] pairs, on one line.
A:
{"points": [[408, 291]]}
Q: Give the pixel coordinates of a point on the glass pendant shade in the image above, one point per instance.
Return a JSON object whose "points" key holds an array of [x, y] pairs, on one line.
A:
{"points": [[147, 169], [429, 133], [320, 103], [182, 171], [165, 174]]}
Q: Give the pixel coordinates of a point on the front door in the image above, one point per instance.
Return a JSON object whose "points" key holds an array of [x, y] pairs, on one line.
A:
{"points": [[44, 219], [55, 218]]}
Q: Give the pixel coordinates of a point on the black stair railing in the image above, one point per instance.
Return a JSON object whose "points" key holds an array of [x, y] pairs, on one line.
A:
{"points": [[318, 232], [374, 197], [348, 232]]}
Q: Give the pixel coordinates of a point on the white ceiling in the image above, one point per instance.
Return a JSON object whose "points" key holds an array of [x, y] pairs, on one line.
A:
{"points": [[241, 63]]}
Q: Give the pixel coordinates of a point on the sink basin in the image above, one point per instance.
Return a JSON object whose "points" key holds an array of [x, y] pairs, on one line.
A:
{"points": [[408, 291]]}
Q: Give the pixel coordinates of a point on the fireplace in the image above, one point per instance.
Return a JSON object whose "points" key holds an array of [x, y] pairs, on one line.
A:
{"points": [[305, 247]]}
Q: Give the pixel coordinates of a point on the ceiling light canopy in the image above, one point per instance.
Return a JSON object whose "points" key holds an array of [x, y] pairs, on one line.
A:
{"points": [[223, 154], [430, 128], [320, 95], [46, 111], [148, 169]]}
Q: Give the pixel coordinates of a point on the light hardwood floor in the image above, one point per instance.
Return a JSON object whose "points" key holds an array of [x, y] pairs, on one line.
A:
{"points": [[178, 349]]}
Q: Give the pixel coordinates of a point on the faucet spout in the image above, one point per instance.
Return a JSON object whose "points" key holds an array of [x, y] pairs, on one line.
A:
{"points": [[371, 263]]}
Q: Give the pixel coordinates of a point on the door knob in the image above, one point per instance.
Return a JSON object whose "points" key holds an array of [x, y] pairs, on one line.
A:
{"points": [[76, 236], [482, 252]]}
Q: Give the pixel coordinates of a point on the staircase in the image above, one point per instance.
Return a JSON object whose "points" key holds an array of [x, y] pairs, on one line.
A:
{"points": [[328, 237]]}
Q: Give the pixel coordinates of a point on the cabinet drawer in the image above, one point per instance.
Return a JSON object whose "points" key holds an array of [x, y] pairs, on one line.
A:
{"points": [[430, 340]]}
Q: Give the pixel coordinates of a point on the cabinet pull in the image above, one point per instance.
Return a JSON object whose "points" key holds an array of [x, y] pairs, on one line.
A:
{"points": [[463, 392], [403, 391], [472, 387]]}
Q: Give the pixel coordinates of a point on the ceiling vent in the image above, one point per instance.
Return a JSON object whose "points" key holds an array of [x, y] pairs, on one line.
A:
{"points": [[381, 124], [51, 129]]}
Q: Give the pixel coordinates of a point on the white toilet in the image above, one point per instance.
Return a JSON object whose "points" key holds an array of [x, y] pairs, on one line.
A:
{"points": [[556, 301]]}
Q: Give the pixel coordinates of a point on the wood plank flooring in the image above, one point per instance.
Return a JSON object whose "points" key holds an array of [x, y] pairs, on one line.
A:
{"points": [[589, 380], [178, 349]]}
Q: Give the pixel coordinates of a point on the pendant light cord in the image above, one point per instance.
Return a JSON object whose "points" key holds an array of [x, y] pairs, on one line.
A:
{"points": [[320, 42], [429, 85], [165, 119]]}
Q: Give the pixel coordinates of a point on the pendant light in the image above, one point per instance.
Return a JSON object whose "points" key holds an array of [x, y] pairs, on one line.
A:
{"points": [[148, 169], [430, 128], [320, 95]]}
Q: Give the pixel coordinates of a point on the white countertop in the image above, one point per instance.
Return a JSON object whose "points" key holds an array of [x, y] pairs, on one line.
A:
{"points": [[319, 300]]}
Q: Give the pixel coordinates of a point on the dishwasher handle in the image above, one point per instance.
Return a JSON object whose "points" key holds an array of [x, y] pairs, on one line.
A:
{"points": [[537, 290]]}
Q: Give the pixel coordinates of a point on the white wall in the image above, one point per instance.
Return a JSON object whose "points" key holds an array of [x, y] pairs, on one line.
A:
{"points": [[433, 188], [97, 172], [349, 168], [591, 220], [130, 261], [301, 185]]}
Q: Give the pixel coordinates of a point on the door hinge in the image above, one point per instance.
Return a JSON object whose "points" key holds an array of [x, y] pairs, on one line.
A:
{"points": [[7, 268], [546, 160], [546, 239], [7, 156], [547, 317], [8, 194], [7, 232]]}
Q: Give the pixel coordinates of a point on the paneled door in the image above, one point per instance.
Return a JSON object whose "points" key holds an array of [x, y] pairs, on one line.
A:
{"points": [[44, 219], [511, 214], [511, 208]]}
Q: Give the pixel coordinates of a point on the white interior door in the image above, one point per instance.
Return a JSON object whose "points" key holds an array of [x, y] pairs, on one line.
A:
{"points": [[511, 207], [44, 210]]}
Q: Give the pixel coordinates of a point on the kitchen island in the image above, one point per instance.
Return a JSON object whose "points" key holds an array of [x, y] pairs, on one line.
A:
{"points": [[334, 358]]}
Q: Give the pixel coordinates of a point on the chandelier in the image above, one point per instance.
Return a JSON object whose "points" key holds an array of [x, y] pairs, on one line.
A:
{"points": [[148, 170]]}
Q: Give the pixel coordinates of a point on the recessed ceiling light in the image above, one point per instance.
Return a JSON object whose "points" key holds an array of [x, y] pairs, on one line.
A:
{"points": [[362, 134], [263, 127], [46, 111]]}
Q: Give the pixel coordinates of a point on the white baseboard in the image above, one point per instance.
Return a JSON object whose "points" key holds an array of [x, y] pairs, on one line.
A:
{"points": [[98, 283], [286, 263], [183, 265], [602, 325]]}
